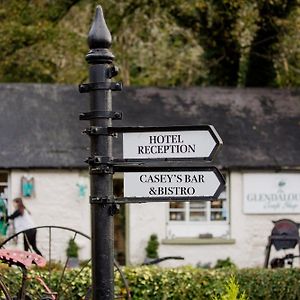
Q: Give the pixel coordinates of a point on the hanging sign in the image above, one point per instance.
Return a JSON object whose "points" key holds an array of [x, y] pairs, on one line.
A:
{"points": [[170, 143], [173, 184]]}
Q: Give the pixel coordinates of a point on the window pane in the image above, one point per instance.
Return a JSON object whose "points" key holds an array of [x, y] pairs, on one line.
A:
{"points": [[197, 205], [177, 216], [3, 177], [118, 187], [216, 204], [198, 216], [177, 205], [218, 215], [3, 189]]}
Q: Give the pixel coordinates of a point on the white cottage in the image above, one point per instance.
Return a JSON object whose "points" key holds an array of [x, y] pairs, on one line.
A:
{"points": [[41, 145]]}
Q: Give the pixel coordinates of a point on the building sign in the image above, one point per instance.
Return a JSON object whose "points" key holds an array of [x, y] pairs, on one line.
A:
{"points": [[271, 193], [203, 184], [177, 142]]}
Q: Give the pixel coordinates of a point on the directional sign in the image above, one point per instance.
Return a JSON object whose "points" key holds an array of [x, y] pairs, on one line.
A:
{"points": [[173, 184], [170, 143]]}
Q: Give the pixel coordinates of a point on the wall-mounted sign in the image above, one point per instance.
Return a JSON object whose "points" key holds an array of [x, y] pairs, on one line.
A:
{"points": [[27, 187], [271, 193], [174, 142], [173, 184]]}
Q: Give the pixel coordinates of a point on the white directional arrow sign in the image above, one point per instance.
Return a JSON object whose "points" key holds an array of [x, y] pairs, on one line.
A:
{"points": [[175, 184], [170, 143]]}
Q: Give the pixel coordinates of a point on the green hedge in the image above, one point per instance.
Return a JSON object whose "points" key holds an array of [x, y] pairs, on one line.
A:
{"points": [[188, 283], [192, 283]]}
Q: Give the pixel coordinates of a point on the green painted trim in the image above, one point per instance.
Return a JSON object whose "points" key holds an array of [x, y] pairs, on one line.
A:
{"points": [[195, 241]]}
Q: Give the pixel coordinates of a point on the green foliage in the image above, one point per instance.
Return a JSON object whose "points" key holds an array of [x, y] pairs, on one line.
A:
{"points": [[215, 23], [152, 247], [74, 285], [36, 43], [265, 46], [245, 42], [72, 250], [224, 263], [179, 283], [232, 291], [191, 283], [150, 47], [156, 42]]}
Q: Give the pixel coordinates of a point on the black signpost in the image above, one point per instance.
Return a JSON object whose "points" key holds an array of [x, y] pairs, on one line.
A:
{"points": [[142, 147], [100, 116]]}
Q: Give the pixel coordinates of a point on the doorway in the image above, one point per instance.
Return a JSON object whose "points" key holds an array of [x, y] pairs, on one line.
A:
{"points": [[120, 224]]}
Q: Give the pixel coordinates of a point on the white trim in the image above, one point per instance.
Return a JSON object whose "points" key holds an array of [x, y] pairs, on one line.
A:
{"points": [[188, 228]]}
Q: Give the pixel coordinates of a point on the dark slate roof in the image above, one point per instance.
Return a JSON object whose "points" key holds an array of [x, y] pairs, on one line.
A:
{"points": [[260, 128]]}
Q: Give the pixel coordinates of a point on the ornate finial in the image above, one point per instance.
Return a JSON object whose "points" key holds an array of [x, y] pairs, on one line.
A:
{"points": [[99, 35], [99, 40]]}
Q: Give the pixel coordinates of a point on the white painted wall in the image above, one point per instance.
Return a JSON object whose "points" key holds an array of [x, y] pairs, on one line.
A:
{"points": [[143, 220], [56, 202], [249, 231]]}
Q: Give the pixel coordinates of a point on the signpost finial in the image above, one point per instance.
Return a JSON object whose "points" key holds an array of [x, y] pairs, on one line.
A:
{"points": [[99, 35], [99, 40]]}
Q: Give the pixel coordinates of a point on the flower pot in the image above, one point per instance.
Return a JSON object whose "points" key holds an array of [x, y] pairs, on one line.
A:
{"points": [[73, 262]]}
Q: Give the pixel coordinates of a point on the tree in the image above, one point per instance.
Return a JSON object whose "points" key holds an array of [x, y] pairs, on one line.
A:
{"points": [[45, 41], [273, 15], [27, 35], [150, 47], [215, 21], [156, 42], [243, 40]]}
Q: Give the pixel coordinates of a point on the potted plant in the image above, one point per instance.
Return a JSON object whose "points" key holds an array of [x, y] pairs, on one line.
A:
{"points": [[152, 248], [72, 254]]}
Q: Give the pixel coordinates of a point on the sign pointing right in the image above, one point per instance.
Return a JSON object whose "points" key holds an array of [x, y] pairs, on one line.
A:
{"points": [[200, 142], [173, 184]]}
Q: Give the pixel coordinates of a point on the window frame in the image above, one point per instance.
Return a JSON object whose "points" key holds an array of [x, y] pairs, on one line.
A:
{"points": [[208, 222], [7, 183]]}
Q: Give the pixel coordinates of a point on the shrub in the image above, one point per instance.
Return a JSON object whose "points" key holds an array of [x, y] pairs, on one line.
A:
{"points": [[191, 283], [152, 247], [232, 291], [188, 283], [72, 250], [224, 263]]}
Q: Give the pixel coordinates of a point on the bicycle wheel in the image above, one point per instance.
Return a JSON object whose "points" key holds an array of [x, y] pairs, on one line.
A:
{"points": [[4, 293], [66, 277]]}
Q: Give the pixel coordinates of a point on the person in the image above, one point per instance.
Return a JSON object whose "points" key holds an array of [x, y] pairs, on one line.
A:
{"points": [[23, 222]]}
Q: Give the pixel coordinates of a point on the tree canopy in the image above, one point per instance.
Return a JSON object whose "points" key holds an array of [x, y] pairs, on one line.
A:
{"points": [[156, 42]]}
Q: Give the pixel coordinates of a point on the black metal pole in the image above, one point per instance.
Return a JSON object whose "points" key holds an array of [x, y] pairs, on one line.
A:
{"points": [[100, 86]]}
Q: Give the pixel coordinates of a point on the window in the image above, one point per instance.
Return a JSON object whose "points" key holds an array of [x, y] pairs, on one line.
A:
{"points": [[197, 211], [119, 223], [199, 218], [4, 185], [3, 202]]}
